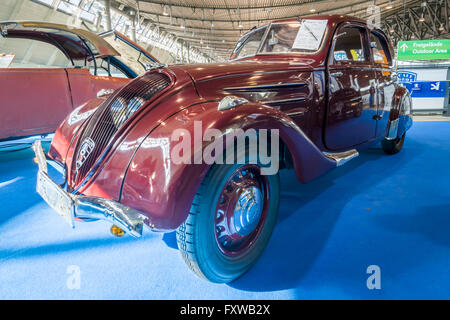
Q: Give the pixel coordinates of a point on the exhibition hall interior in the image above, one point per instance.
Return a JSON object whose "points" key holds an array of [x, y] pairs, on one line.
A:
{"points": [[224, 149]]}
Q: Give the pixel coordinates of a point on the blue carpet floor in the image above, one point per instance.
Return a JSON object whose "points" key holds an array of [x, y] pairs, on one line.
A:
{"points": [[390, 211]]}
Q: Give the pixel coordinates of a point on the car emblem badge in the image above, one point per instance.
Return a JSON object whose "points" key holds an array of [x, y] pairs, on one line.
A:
{"points": [[85, 150]]}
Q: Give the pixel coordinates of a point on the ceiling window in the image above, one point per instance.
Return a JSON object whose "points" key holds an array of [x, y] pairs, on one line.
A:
{"points": [[48, 3], [68, 7]]}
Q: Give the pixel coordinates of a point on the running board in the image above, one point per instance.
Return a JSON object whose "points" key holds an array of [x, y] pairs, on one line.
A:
{"points": [[342, 158]]}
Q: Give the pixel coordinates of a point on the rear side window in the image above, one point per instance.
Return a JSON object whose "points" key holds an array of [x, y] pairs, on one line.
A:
{"points": [[349, 45], [380, 49]]}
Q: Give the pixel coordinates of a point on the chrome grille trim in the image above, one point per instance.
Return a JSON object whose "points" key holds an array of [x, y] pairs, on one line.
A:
{"points": [[109, 118]]}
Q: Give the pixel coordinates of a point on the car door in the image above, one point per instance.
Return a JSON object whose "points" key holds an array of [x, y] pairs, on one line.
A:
{"points": [[351, 84], [33, 101], [385, 80], [85, 86], [34, 90]]}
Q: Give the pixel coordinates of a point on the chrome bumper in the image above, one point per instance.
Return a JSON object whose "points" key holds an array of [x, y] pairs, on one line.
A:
{"points": [[72, 206]]}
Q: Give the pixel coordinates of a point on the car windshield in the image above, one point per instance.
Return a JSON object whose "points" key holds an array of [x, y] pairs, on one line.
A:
{"points": [[304, 36], [130, 55], [249, 44]]}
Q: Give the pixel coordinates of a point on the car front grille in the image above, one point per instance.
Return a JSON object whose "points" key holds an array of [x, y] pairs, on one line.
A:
{"points": [[109, 118]]}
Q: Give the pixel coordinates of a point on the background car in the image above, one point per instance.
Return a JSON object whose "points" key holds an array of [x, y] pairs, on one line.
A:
{"points": [[38, 92], [116, 154]]}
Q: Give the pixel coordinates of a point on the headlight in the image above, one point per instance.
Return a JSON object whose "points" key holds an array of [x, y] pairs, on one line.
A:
{"points": [[121, 111]]}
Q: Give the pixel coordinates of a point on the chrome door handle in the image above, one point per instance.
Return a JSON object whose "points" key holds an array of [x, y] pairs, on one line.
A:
{"points": [[337, 74]]}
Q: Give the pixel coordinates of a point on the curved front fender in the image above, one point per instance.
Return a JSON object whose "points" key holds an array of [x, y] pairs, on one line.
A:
{"points": [[66, 132], [164, 189]]}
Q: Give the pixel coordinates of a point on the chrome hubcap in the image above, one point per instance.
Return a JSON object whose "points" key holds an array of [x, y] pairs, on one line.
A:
{"points": [[241, 210], [248, 211]]}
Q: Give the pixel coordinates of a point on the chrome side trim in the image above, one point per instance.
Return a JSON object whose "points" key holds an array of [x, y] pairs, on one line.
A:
{"points": [[296, 113], [342, 158], [269, 102], [26, 140], [94, 208], [267, 86], [230, 102], [392, 129]]}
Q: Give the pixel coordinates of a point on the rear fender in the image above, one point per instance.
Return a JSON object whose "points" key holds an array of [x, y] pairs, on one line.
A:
{"points": [[400, 116], [164, 190]]}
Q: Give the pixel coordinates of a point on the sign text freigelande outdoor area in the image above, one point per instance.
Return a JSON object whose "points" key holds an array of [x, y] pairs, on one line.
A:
{"points": [[424, 50]]}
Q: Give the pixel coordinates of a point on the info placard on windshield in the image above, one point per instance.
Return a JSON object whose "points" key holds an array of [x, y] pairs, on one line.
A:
{"points": [[310, 34]]}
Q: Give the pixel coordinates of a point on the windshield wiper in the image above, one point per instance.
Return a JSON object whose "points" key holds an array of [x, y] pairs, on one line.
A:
{"points": [[309, 30]]}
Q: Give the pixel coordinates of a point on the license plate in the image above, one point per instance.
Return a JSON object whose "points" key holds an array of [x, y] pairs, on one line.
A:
{"points": [[56, 197]]}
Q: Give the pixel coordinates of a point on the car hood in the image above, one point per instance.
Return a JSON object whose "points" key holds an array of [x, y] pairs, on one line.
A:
{"points": [[204, 72]]}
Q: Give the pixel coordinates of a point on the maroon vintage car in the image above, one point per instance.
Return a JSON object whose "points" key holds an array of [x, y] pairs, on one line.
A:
{"points": [[54, 69], [325, 86]]}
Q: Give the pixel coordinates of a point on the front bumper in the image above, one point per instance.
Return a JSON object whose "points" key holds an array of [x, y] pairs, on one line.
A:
{"points": [[71, 206]]}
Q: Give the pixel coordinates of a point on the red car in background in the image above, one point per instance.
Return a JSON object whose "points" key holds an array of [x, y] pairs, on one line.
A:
{"points": [[53, 69]]}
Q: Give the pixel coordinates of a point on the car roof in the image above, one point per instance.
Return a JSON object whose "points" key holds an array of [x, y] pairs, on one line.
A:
{"points": [[333, 19]]}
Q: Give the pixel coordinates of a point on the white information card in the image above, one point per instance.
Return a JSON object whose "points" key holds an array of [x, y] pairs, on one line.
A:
{"points": [[5, 60], [310, 34]]}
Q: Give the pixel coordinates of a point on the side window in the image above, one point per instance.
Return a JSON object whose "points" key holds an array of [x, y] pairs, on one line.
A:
{"points": [[33, 54], [380, 50], [349, 45], [249, 45]]}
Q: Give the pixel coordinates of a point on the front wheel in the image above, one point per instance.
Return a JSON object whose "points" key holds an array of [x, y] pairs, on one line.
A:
{"points": [[393, 146], [230, 222]]}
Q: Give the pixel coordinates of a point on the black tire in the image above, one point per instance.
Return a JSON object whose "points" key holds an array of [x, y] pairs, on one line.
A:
{"points": [[393, 146], [196, 236]]}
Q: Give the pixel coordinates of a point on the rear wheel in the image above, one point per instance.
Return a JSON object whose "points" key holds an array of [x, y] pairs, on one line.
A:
{"points": [[230, 221], [393, 146]]}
